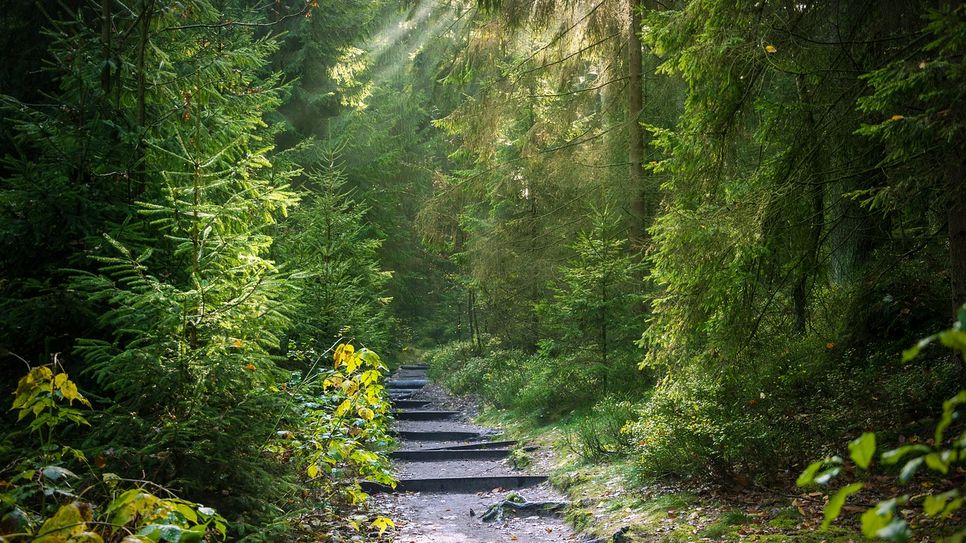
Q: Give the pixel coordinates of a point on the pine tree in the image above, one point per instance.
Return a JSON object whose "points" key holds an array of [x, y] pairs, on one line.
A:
{"points": [[342, 289]]}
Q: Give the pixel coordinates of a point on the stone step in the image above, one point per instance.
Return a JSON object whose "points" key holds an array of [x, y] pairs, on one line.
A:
{"points": [[457, 484], [423, 367], [408, 414]]}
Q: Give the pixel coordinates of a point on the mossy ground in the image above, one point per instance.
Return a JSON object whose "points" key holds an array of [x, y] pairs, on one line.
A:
{"points": [[608, 496]]}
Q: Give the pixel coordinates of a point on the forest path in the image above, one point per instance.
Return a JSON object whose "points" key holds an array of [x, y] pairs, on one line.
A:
{"points": [[451, 472]]}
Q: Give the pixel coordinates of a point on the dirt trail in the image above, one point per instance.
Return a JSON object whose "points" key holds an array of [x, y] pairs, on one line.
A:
{"points": [[457, 471]]}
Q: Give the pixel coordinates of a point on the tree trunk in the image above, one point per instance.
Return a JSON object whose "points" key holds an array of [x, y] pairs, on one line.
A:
{"points": [[107, 74], [635, 135], [816, 218], [956, 217]]}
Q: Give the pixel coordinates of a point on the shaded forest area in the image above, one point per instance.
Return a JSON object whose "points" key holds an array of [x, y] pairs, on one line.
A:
{"points": [[697, 236]]}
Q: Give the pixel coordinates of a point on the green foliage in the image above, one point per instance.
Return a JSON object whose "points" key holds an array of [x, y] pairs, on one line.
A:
{"points": [[941, 455], [600, 435], [593, 309], [342, 289]]}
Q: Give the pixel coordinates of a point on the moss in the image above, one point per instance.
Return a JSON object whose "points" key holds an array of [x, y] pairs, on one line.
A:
{"points": [[786, 519], [580, 519], [726, 524], [833, 536]]}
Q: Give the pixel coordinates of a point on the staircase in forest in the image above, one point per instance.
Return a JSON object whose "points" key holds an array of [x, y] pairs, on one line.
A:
{"points": [[454, 477]]}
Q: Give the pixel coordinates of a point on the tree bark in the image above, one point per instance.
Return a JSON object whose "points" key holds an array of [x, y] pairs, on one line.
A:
{"points": [[106, 31], [956, 218], [635, 134], [816, 219]]}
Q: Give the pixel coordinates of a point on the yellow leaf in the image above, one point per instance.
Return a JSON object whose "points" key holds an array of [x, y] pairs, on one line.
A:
{"points": [[343, 353], [350, 387], [366, 413], [238, 344], [896, 117], [343, 408], [333, 381], [337, 356], [69, 390], [60, 379], [250, 367], [313, 471], [352, 363], [382, 523], [771, 49]]}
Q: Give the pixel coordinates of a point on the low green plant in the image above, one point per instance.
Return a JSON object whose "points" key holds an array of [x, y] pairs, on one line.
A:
{"points": [[340, 434], [600, 434], [943, 455]]}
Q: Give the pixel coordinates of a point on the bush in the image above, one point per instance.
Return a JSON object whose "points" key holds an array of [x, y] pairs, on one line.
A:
{"points": [[543, 386], [600, 435]]}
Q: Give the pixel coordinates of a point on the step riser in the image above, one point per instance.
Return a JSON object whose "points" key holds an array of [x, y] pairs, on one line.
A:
{"points": [[457, 484], [477, 445]]}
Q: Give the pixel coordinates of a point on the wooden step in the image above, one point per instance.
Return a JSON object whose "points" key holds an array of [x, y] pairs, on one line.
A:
{"points": [[406, 383], [457, 484], [439, 455], [409, 414], [478, 445], [410, 404], [440, 436]]}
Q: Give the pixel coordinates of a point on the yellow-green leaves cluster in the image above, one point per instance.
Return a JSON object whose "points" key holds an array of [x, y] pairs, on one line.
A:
{"points": [[347, 433], [39, 394]]}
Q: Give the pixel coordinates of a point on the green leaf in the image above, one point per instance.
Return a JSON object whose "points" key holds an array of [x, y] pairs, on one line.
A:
{"points": [[949, 413], [938, 462], [808, 476], [954, 339], [862, 450], [827, 475], [873, 521], [834, 506], [895, 455], [910, 469], [896, 531], [936, 504], [880, 521], [913, 352], [56, 473], [812, 476]]}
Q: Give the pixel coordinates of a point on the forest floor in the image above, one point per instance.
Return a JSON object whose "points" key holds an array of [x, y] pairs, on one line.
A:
{"points": [[607, 501], [610, 497]]}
